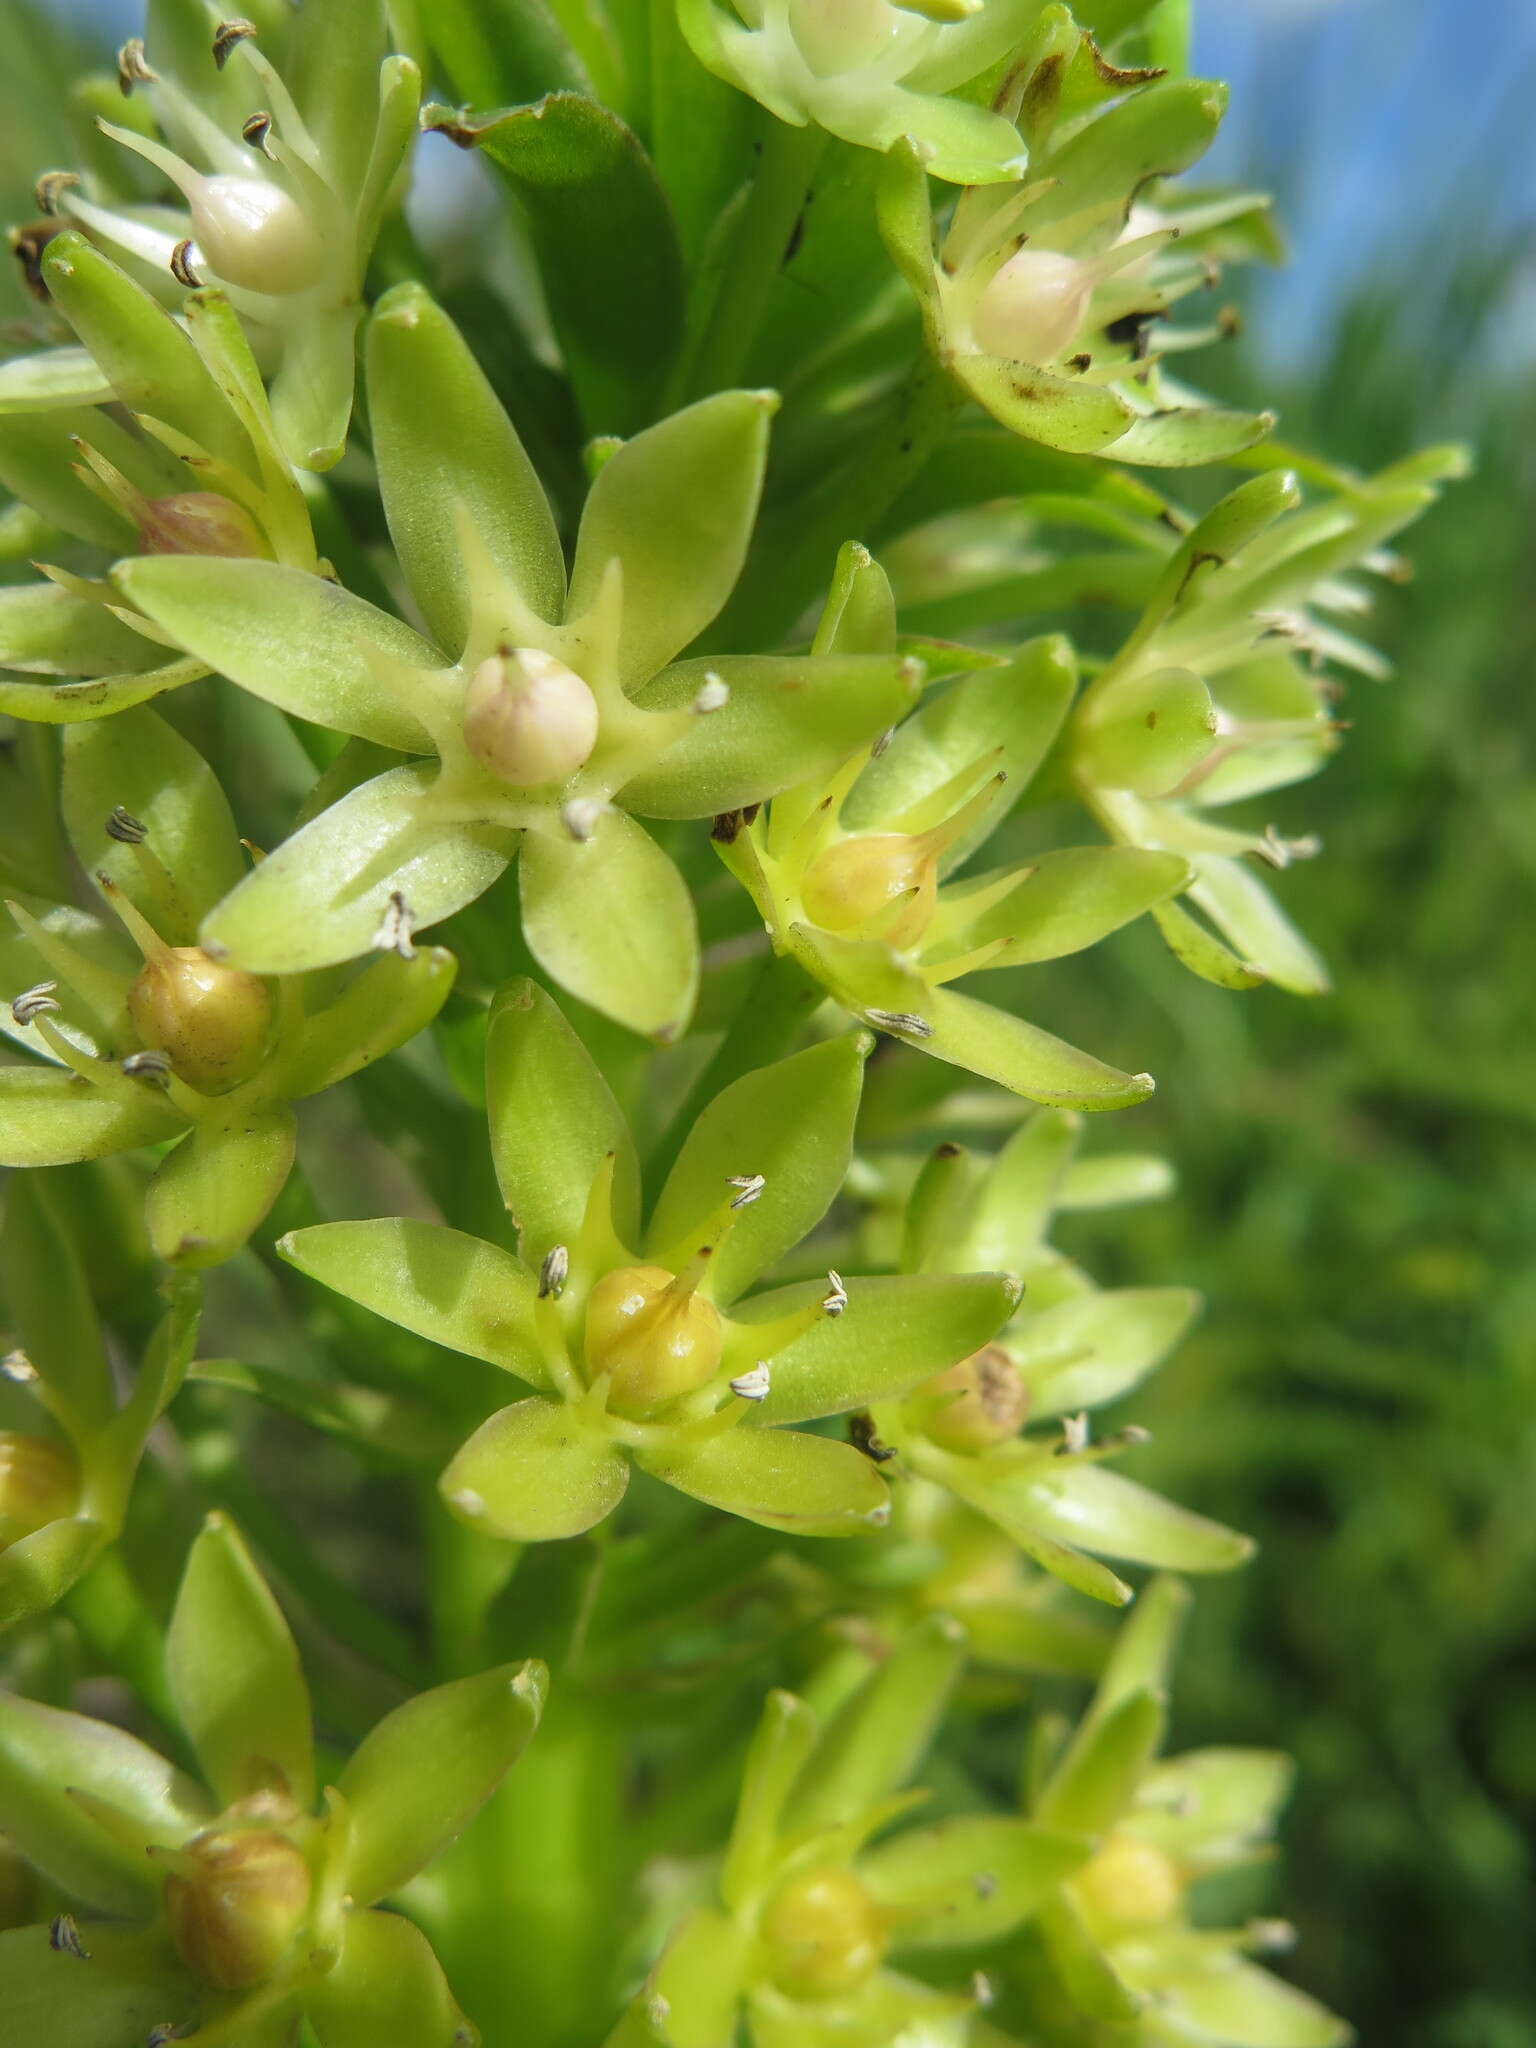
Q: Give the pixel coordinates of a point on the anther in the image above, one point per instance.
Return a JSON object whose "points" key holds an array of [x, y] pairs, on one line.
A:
{"points": [[125, 828], [554, 1273], [981, 1989], [150, 1065], [50, 187], [229, 35], [580, 816], [751, 1186], [904, 1022], [18, 1369], [882, 742], [836, 1298], [181, 266], [132, 69], [753, 1385], [1074, 1435], [1271, 1936], [984, 1884], [255, 129], [396, 927], [714, 693], [64, 1938], [34, 1002]]}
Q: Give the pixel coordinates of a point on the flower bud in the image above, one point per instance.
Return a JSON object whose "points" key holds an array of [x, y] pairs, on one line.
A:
{"points": [[884, 875], [842, 35], [980, 1402], [235, 1913], [38, 1483], [657, 1340], [824, 1934], [1129, 1883], [529, 718], [254, 234], [199, 523], [1031, 311], [212, 1020]]}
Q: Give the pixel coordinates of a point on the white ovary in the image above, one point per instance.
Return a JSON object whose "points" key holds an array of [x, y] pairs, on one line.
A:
{"points": [[1033, 309]]}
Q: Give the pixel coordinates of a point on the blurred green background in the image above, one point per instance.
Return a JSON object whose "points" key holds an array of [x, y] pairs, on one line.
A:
{"points": [[1358, 1181]]}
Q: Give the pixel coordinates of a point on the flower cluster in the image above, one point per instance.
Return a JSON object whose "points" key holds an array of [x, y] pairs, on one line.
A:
{"points": [[688, 634]]}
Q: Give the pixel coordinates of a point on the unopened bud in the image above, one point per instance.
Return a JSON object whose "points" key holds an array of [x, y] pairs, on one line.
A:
{"points": [[255, 235], [842, 35], [38, 1483], [529, 718], [1129, 1883], [234, 1916], [824, 1934], [211, 1021], [1031, 311], [656, 1339], [980, 1402], [199, 523], [884, 877]]}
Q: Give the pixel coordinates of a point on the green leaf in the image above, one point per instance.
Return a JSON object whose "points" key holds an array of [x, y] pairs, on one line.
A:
{"points": [[585, 184], [1235, 900], [859, 616], [46, 1281], [700, 1977], [553, 1122], [387, 1986], [385, 1004], [234, 1674], [1084, 1504], [98, 697], [1114, 1178], [452, 1289], [1153, 133], [804, 1485], [37, 1570], [312, 391], [534, 1472], [1013, 712], [792, 1123], [674, 507], [1095, 1347], [1003, 1488], [1020, 1056], [1186, 436], [213, 1189], [1012, 1212], [880, 1734], [894, 1333], [245, 619], [783, 1739], [425, 1771], [1086, 1974], [1210, 1804], [45, 630], [1245, 2006], [446, 449], [889, 2011], [51, 377], [1065, 902], [333, 67], [1144, 732], [322, 897], [51, 1118], [612, 921], [788, 719], [1095, 1783], [968, 1880], [1201, 951], [1082, 419], [44, 1754], [138, 762], [1142, 1656], [148, 359], [131, 1985], [36, 457]]}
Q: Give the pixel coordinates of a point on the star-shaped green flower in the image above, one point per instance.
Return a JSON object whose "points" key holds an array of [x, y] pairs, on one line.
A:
{"points": [[231, 1913], [642, 1344]]}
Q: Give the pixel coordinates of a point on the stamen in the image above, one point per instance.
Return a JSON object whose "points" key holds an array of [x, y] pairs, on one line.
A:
{"points": [[554, 1272], [34, 1002], [132, 69], [64, 1938], [396, 927], [255, 130], [836, 1297], [751, 1186], [714, 693], [580, 816], [18, 1369], [1074, 1435], [50, 187], [149, 1065], [181, 266], [229, 34], [905, 1023], [753, 1385], [124, 827]]}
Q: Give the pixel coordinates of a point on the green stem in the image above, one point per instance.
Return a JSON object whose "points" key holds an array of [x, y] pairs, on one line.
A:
{"points": [[114, 1618], [778, 1003], [466, 1572], [797, 542], [758, 248]]}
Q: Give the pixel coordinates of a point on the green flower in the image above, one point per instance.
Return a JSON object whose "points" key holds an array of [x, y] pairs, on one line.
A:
{"points": [[1121, 1940], [285, 188], [639, 1344], [1070, 1347], [548, 737], [871, 71], [1218, 695], [246, 1908], [143, 1037], [1042, 295], [65, 1478], [811, 1908], [848, 870], [201, 473]]}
